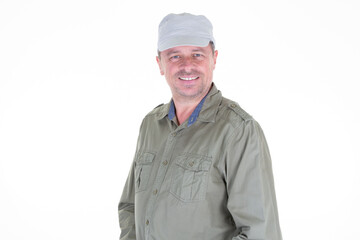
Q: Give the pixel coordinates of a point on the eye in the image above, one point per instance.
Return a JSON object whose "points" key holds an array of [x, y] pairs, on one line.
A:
{"points": [[198, 56], [174, 58]]}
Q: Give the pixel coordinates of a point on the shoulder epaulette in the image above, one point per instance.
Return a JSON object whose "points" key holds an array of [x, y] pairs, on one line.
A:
{"points": [[239, 111], [159, 105]]}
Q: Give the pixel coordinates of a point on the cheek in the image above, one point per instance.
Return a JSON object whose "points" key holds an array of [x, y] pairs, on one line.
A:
{"points": [[170, 70], [211, 67]]}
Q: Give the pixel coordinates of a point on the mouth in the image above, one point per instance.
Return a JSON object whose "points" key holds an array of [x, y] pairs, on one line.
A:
{"points": [[188, 78]]}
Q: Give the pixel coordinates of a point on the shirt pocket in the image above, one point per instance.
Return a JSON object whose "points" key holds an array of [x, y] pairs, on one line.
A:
{"points": [[189, 179], [143, 167]]}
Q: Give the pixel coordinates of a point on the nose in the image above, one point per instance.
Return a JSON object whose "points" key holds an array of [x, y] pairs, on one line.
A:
{"points": [[187, 64]]}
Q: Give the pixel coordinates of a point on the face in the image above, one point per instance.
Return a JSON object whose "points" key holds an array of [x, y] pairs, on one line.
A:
{"points": [[188, 71]]}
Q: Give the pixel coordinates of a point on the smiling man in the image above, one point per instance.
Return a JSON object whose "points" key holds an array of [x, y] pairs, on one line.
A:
{"points": [[188, 71], [202, 168]]}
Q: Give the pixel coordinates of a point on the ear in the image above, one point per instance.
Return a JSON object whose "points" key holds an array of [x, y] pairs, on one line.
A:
{"points": [[159, 64], [215, 57]]}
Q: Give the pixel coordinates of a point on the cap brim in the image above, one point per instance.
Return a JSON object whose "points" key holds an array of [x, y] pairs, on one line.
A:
{"points": [[183, 41]]}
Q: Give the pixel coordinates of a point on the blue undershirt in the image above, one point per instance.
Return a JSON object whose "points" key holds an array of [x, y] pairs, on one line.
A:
{"points": [[193, 117]]}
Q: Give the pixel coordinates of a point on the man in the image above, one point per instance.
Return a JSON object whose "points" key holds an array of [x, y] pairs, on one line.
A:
{"points": [[202, 169]]}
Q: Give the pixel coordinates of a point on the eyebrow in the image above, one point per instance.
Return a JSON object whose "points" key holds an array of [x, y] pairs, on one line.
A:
{"points": [[198, 50], [172, 52], [193, 50]]}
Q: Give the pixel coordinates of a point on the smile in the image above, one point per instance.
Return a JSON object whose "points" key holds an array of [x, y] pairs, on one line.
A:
{"points": [[188, 78]]}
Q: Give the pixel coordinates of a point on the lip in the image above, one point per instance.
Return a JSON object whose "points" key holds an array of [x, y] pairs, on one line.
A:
{"points": [[189, 78]]}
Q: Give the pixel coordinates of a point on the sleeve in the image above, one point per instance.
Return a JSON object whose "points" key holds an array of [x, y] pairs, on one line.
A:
{"points": [[250, 184], [126, 208]]}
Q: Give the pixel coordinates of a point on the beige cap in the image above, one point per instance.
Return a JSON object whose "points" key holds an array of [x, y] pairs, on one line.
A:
{"points": [[184, 29]]}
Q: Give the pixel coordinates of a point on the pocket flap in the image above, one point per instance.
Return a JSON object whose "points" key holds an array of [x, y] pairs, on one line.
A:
{"points": [[145, 158], [194, 163]]}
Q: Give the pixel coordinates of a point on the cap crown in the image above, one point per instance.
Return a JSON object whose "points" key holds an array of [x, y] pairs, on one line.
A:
{"points": [[184, 29]]}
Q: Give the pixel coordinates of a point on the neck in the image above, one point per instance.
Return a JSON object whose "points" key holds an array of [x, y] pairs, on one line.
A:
{"points": [[184, 110], [185, 107]]}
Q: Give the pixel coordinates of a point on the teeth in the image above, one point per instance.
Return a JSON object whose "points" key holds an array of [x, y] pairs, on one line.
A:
{"points": [[188, 79]]}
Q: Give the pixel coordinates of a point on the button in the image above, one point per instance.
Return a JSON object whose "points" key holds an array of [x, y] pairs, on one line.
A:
{"points": [[155, 191], [165, 162], [191, 164], [147, 222], [233, 105], [173, 134]]}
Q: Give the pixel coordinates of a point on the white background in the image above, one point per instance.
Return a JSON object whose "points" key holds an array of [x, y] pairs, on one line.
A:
{"points": [[77, 77]]}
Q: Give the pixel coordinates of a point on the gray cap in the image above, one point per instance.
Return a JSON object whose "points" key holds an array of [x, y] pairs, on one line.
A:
{"points": [[184, 29]]}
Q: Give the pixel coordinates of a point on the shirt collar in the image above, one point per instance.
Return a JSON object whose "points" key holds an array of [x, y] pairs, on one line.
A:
{"points": [[211, 105], [206, 112], [193, 117]]}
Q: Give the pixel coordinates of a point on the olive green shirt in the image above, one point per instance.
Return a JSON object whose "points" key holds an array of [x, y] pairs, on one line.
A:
{"points": [[209, 181]]}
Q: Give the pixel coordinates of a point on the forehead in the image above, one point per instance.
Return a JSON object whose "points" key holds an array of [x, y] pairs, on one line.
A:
{"points": [[185, 49]]}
